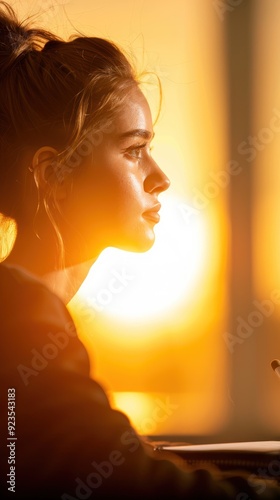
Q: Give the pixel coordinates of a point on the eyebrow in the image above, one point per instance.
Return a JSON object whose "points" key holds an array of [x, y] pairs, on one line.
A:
{"points": [[138, 132]]}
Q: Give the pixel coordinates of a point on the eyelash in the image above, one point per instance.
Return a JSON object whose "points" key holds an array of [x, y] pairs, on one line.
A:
{"points": [[136, 151]]}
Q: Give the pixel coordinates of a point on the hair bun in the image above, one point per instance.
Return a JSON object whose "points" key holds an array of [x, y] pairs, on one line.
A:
{"points": [[15, 38]]}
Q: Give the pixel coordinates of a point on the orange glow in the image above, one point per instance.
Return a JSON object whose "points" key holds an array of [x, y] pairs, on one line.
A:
{"points": [[153, 282], [267, 153], [161, 413], [266, 221], [151, 339], [8, 233]]}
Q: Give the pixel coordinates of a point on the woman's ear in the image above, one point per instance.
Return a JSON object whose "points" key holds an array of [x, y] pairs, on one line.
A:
{"points": [[45, 167]]}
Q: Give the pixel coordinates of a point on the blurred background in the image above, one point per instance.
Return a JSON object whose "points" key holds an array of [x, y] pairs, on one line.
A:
{"points": [[184, 340]]}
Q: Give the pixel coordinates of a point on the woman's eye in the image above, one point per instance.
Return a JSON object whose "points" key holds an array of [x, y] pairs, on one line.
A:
{"points": [[138, 152]]}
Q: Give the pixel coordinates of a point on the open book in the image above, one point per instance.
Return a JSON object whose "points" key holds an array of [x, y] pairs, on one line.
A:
{"points": [[260, 457]]}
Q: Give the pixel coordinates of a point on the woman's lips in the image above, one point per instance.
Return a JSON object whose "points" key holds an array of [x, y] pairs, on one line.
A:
{"points": [[153, 214]]}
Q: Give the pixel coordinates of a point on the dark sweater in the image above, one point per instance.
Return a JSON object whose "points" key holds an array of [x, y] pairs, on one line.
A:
{"points": [[71, 444]]}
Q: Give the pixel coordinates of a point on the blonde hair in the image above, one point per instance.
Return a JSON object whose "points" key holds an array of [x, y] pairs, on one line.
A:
{"points": [[55, 92]]}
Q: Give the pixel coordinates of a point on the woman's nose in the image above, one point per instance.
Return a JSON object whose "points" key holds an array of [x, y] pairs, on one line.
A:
{"points": [[157, 181]]}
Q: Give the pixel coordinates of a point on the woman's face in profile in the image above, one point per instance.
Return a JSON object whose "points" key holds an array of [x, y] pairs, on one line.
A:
{"points": [[113, 199]]}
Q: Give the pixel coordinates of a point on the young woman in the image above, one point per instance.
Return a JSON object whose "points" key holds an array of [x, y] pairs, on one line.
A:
{"points": [[77, 175]]}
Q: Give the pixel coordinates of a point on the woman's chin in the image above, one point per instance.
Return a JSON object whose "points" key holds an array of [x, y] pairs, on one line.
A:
{"points": [[140, 245]]}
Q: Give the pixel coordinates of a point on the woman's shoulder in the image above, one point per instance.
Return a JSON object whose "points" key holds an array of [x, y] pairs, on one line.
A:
{"points": [[16, 283], [36, 329], [27, 300], [17, 274]]}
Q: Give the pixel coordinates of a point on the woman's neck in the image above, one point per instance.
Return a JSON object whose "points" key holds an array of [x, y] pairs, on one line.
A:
{"points": [[66, 282], [40, 259]]}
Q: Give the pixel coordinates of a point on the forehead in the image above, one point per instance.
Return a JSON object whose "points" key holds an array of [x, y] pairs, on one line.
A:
{"points": [[135, 114]]}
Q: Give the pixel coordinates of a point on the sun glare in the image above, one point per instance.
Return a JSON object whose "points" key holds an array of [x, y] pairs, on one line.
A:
{"points": [[140, 286], [8, 234]]}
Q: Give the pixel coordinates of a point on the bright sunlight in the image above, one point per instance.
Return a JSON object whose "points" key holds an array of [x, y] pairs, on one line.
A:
{"points": [[140, 286]]}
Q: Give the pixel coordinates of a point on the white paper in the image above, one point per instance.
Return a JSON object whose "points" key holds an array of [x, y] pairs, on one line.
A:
{"points": [[249, 446]]}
